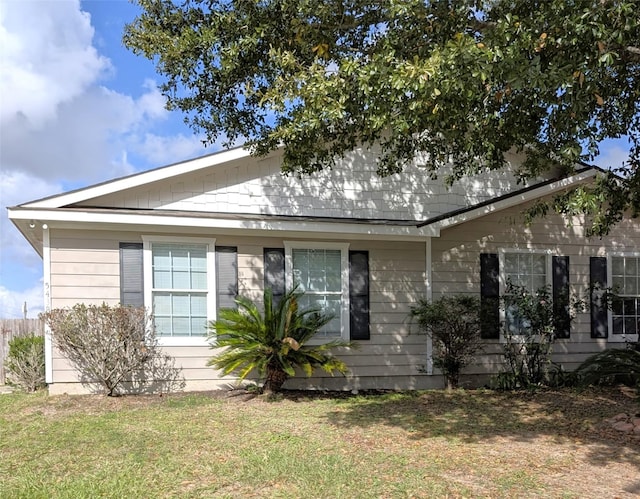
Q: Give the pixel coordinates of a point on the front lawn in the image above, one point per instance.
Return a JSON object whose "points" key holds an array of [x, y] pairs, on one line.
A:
{"points": [[426, 444]]}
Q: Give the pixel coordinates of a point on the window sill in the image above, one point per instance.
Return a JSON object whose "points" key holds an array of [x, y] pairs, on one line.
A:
{"points": [[621, 338], [322, 341], [185, 341]]}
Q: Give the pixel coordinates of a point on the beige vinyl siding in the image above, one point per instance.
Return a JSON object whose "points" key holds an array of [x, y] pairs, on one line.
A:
{"points": [[85, 268], [456, 267]]}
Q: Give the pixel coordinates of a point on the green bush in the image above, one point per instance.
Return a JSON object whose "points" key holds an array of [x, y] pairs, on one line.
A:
{"points": [[25, 363], [453, 323], [611, 366], [272, 343], [529, 335]]}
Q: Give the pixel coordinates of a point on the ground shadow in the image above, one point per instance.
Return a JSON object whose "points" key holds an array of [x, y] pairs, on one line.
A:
{"points": [[482, 415]]}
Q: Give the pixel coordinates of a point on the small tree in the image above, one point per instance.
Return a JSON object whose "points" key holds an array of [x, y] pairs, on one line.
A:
{"points": [[272, 343], [111, 346], [529, 333], [25, 363], [453, 323]]}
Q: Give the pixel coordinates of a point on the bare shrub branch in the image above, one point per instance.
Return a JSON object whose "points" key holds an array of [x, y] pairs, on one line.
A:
{"points": [[113, 347]]}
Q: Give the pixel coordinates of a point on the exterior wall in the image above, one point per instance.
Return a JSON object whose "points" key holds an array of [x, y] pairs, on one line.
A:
{"points": [[351, 190], [85, 268], [456, 267]]}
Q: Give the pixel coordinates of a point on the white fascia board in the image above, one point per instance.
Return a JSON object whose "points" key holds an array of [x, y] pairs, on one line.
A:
{"points": [[515, 200], [139, 179], [76, 218]]}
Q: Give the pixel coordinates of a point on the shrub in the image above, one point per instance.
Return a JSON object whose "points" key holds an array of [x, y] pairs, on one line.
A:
{"points": [[272, 343], [453, 323], [114, 347], [25, 363], [614, 365], [527, 350]]}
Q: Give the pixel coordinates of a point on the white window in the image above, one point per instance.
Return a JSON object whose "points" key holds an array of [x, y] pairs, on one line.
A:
{"points": [[179, 287], [530, 270], [625, 309], [321, 272]]}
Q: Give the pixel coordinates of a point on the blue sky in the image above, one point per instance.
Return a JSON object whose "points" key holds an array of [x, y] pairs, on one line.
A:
{"points": [[77, 108]]}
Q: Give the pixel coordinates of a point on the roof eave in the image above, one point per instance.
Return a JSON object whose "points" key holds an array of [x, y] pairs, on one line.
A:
{"points": [[510, 200], [112, 219], [138, 179]]}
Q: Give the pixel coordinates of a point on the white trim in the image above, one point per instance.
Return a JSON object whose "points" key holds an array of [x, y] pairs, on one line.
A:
{"points": [[428, 283], [46, 278], [611, 338], [139, 179], [344, 275], [503, 251], [147, 242], [515, 200], [75, 218]]}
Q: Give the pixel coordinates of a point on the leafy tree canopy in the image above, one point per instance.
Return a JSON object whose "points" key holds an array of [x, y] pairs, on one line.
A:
{"points": [[464, 81]]}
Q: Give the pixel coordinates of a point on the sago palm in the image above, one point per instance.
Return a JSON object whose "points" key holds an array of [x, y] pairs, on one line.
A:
{"points": [[611, 366], [273, 343]]}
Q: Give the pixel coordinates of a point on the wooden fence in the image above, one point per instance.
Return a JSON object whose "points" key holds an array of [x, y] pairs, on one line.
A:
{"points": [[12, 328]]}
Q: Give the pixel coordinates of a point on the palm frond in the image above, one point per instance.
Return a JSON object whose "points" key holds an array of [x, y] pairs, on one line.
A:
{"points": [[272, 339], [612, 365]]}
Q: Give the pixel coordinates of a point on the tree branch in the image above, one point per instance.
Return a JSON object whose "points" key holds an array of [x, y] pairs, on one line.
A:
{"points": [[633, 50]]}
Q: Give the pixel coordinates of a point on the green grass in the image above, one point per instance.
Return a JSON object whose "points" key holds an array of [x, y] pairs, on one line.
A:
{"points": [[427, 444]]}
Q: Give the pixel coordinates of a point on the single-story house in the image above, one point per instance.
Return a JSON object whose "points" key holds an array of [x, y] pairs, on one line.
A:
{"points": [[184, 239]]}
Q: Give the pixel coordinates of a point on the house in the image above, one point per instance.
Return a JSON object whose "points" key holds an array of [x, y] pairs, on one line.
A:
{"points": [[186, 238]]}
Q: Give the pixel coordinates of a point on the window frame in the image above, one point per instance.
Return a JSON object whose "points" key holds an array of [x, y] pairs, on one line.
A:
{"points": [[289, 246], [210, 249], [611, 337], [502, 278]]}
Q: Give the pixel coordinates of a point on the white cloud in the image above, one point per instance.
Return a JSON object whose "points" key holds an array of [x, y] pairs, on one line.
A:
{"points": [[11, 302], [62, 125], [20, 265], [47, 58], [612, 156], [163, 150], [87, 139], [61, 121], [151, 104]]}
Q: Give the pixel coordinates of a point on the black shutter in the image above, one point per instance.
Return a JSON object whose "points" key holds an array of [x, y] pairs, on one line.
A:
{"points": [[561, 312], [226, 276], [359, 295], [489, 296], [274, 272], [598, 284], [131, 275]]}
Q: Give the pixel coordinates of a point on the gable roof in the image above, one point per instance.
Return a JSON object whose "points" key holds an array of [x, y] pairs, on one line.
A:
{"points": [[511, 199], [65, 210], [138, 179]]}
